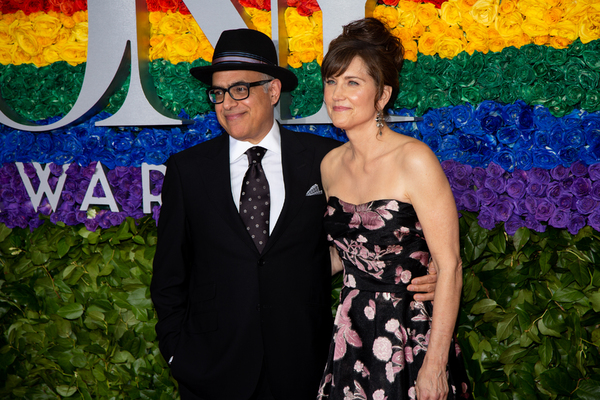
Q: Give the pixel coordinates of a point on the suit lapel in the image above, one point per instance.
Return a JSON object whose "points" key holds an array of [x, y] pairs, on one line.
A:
{"points": [[297, 161], [218, 187]]}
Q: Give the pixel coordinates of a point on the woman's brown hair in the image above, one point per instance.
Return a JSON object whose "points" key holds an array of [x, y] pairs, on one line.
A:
{"points": [[381, 52]]}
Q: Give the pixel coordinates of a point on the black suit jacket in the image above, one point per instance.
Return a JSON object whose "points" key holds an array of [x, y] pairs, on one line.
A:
{"points": [[223, 307]]}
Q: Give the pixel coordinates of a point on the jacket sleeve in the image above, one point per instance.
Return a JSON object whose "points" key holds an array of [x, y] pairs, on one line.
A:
{"points": [[169, 288]]}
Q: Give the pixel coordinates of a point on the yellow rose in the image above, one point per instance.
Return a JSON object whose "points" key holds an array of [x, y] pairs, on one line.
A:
{"points": [[448, 47], [496, 44], [261, 20], [485, 11], [46, 26], [407, 5], [565, 29], [207, 55], [518, 41], [410, 50], [465, 5], [74, 53], [80, 16], [10, 18], [450, 13], [589, 29], [80, 32], [560, 42], [553, 3], [477, 35], [66, 21], [531, 9], [193, 28], [38, 60], [5, 36], [577, 12], [480, 46], [467, 21], [185, 45], [308, 56], [541, 40], [19, 56], [438, 27], [455, 33], [6, 51], [403, 34], [553, 15], [27, 41], [417, 31], [302, 43], [294, 61], [408, 19], [155, 16], [427, 14], [507, 7], [509, 25], [51, 55], [535, 27], [63, 36], [388, 15], [295, 23], [427, 44], [172, 24]]}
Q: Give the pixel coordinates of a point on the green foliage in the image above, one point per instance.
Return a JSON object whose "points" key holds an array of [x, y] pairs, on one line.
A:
{"points": [[529, 323], [76, 319], [76, 316]]}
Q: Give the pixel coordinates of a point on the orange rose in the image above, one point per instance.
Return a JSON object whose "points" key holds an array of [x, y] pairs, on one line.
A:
{"points": [[447, 47], [308, 56], [507, 7], [476, 46], [80, 16], [438, 27], [427, 14], [407, 5], [427, 44], [388, 15], [293, 60], [518, 41], [67, 21], [417, 31], [553, 15], [410, 50], [155, 16], [465, 5], [560, 42], [496, 44], [541, 40], [403, 34]]}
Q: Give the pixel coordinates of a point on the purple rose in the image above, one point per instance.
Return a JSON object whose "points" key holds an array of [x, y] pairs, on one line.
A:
{"points": [[559, 172], [503, 208], [520, 175], [91, 224], [448, 166], [539, 175], [494, 170], [531, 204], [29, 170], [594, 220], [486, 196], [536, 189], [575, 224], [56, 170], [579, 169], [559, 218], [513, 224], [497, 184], [479, 176], [586, 205], [532, 223], [486, 219], [520, 207], [565, 201], [567, 183], [595, 191], [581, 187], [35, 223], [515, 188], [544, 210], [553, 191], [469, 201], [594, 171]]}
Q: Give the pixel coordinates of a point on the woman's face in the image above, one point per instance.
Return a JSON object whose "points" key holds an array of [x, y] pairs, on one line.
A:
{"points": [[350, 98]]}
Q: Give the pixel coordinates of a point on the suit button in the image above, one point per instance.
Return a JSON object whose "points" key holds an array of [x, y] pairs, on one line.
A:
{"points": [[261, 262]]}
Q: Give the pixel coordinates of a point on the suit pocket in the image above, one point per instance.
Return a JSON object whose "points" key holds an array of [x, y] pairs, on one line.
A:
{"points": [[202, 315]]}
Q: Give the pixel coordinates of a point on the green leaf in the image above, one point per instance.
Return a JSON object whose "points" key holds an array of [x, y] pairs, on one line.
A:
{"points": [[483, 306], [557, 381], [544, 330], [546, 351], [71, 311], [567, 295], [505, 327], [4, 232], [595, 300], [521, 237], [62, 248], [498, 243], [588, 390], [512, 354], [66, 391]]}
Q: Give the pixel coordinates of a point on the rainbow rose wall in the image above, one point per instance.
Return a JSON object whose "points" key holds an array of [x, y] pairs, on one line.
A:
{"points": [[506, 93]]}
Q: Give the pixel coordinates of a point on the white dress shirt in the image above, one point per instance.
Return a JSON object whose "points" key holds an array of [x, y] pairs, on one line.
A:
{"points": [[271, 163]]}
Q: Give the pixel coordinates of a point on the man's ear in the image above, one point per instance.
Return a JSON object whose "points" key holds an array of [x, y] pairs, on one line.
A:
{"points": [[275, 91]]}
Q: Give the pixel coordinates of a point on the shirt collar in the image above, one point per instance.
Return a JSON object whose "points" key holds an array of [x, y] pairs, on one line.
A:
{"points": [[271, 142]]}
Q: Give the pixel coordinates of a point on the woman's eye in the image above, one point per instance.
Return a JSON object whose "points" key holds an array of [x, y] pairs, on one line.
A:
{"points": [[329, 82]]}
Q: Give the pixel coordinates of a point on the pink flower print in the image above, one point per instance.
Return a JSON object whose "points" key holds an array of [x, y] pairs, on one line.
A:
{"points": [[391, 371], [370, 310], [349, 281], [392, 325], [382, 348], [399, 358], [401, 233], [330, 211], [457, 349], [362, 214], [422, 316], [422, 342], [418, 226], [412, 394], [422, 256], [379, 395], [402, 275], [408, 354], [360, 367], [360, 394], [345, 334], [326, 380]]}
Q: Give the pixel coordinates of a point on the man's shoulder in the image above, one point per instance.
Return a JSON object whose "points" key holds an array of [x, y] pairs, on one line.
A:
{"points": [[206, 148], [312, 140]]}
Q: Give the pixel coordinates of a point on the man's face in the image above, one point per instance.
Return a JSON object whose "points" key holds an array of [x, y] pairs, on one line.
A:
{"points": [[251, 119]]}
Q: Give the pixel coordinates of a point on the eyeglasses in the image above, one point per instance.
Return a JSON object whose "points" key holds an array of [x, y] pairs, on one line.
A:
{"points": [[239, 91]]}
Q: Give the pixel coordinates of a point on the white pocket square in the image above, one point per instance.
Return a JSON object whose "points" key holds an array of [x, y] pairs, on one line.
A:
{"points": [[314, 190]]}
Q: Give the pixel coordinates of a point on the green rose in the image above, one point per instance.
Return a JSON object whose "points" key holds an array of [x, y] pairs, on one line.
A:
{"points": [[592, 59], [574, 94], [540, 69], [509, 93], [572, 69], [535, 93], [533, 53], [576, 48], [524, 74], [471, 95], [591, 101], [588, 79], [556, 56], [558, 107], [491, 77], [490, 93]]}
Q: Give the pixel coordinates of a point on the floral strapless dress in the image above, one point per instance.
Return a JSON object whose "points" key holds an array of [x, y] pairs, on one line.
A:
{"points": [[381, 333]]}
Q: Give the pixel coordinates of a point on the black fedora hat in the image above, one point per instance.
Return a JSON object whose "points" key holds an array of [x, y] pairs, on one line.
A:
{"points": [[246, 49]]}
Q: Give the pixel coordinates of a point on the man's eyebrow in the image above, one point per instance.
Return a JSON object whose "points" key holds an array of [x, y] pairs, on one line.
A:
{"points": [[233, 84]]}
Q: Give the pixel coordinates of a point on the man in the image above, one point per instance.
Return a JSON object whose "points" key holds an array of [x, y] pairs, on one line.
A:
{"points": [[244, 305]]}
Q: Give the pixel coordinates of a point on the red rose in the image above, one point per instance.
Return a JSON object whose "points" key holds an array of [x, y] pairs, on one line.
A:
{"points": [[67, 7], [183, 8], [31, 6], [153, 5], [80, 5], [391, 2], [168, 5]]}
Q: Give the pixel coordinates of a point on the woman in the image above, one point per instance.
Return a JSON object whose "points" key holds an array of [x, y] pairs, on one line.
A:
{"points": [[390, 213]]}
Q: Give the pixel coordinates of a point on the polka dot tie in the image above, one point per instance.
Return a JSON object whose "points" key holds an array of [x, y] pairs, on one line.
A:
{"points": [[254, 200]]}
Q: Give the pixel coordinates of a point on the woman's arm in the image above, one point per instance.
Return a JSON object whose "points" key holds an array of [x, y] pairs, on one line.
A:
{"points": [[432, 198]]}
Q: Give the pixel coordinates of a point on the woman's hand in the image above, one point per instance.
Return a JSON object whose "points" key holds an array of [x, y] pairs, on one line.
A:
{"points": [[336, 260], [432, 383]]}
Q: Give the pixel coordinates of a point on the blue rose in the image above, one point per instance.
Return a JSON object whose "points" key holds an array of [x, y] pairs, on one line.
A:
{"points": [[543, 119], [508, 135], [429, 125], [487, 108], [506, 159], [467, 142], [462, 114], [491, 124], [523, 160], [544, 159], [568, 155]]}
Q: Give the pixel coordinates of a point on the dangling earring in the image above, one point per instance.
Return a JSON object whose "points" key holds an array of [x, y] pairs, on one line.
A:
{"points": [[379, 121]]}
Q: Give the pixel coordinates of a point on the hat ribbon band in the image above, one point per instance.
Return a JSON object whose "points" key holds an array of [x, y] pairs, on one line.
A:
{"points": [[237, 59]]}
